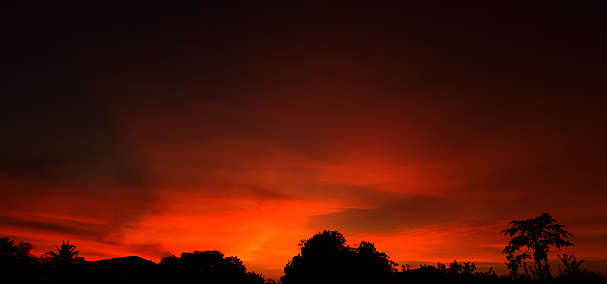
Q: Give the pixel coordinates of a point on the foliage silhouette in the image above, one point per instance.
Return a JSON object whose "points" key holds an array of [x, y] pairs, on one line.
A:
{"points": [[325, 258], [454, 268], [536, 235], [570, 263], [65, 255], [17, 265], [459, 272], [15, 254], [570, 271], [211, 266]]}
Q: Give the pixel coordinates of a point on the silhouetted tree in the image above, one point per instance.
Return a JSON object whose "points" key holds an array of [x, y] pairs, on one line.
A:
{"points": [[19, 254], [454, 268], [489, 277], [441, 267], [570, 272], [170, 261], [514, 262], [570, 264], [536, 235], [457, 272], [17, 265], [325, 258], [468, 267], [212, 266], [320, 258], [66, 255]]}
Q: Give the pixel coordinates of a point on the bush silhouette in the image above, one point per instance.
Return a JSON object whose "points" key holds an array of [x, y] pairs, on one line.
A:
{"points": [[11, 254], [211, 266], [325, 258]]}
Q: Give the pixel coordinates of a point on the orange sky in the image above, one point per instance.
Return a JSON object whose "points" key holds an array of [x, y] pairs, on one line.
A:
{"points": [[423, 129]]}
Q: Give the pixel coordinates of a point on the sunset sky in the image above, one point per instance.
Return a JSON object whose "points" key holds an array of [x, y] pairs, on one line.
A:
{"points": [[152, 130]]}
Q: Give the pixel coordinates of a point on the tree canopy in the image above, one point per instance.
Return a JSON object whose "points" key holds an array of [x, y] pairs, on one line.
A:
{"points": [[212, 266], [536, 236], [325, 258], [15, 254]]}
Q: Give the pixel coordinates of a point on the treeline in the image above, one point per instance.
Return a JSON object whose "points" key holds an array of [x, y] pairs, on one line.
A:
{"points": [[324, 258], [18, 265]]}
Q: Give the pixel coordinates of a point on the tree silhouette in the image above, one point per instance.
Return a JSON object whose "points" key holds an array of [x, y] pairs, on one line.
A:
{"points": [[212, 266], [371, 263], [454, 268], [17, 265], [570, 263], [325, 258], [571, 272], [456, 272], [65, 255], [15, 254], [468, 267], [535, 235], [514, 262]]}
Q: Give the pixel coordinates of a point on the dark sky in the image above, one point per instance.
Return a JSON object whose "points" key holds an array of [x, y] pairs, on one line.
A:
{"points": [[425, 128]]}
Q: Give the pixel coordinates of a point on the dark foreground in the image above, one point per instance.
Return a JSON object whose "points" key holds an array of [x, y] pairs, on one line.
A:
{"points": [[138, 270]]}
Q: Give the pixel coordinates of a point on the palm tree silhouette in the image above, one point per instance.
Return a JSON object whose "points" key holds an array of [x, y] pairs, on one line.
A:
{"points": [[66, 254]]}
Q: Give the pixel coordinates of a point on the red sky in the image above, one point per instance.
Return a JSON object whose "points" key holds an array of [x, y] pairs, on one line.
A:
{"points": [[424, 129]]}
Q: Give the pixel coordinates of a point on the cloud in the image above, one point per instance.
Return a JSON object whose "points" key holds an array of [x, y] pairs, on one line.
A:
{"points": [[373, 121], [65, 154], [83, 230], [148, 249], [389, 213], [267, 194]]}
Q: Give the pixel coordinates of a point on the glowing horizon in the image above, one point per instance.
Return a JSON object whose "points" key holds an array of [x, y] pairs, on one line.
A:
{"points": [[422, 129]]}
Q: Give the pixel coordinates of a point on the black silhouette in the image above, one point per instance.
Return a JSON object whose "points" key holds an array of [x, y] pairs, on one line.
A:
{"points": [[536, 235], [15, 254], [130, 269], [16, 262], [212, 267], [570, 264], [325, 258], [65, 255], [570, 271], [457, 268], [442, 273]]}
